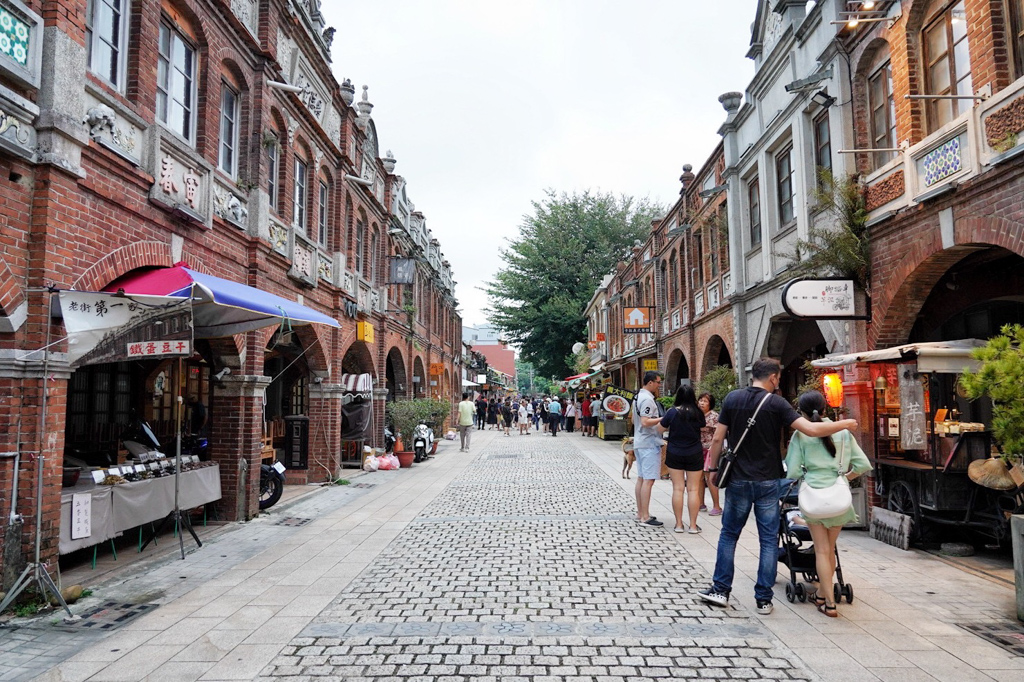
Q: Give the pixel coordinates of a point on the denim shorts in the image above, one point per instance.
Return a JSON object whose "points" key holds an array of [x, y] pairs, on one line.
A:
{"points": [[648, 463]]}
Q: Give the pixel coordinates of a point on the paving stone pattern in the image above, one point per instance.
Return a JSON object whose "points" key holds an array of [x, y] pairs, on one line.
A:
{"points": [[531, 567]]}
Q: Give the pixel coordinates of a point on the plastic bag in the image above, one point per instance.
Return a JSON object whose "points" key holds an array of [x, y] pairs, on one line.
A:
{"points": [[385, 463], [393, 459], [450, 435], [371, 463]]}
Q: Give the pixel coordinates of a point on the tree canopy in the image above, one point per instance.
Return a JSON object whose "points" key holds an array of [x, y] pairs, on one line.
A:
{"points": [[552, 269]]}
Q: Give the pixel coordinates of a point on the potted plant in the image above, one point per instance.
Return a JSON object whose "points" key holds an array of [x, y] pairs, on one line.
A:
{"points": [[1000, 376], [404, 415]]}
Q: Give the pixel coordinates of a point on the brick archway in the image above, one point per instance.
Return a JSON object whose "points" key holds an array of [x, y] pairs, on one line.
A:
{"points": [[123, 261], [905, 289]]}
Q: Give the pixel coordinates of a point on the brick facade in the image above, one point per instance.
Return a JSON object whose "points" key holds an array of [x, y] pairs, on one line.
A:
{"points": [[93, 186]]}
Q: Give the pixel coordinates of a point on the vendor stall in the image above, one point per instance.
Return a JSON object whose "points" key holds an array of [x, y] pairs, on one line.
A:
{"points": [[926, 434], [615, 420]]}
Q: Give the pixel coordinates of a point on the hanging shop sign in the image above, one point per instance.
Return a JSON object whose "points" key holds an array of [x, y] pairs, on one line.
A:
{"points": [[436, 368], [637, 320], [364, 332], [913, 410], [600, 336], [403, 271], [617, 400], [104, 327], [651, 365], [824, 298]]}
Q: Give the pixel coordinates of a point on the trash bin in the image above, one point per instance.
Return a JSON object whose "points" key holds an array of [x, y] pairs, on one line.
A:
{"points": [[296, 441]]}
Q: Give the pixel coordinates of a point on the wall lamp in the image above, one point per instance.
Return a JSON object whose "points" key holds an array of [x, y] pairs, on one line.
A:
{"points": [[708, 193], [823, 99], [359, 181]]}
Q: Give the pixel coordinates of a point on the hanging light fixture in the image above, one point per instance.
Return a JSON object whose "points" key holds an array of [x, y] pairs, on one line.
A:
{"points": [[833, 385]]}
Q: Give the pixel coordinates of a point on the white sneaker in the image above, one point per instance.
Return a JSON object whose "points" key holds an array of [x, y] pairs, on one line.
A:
{"points": [[717, 598]]}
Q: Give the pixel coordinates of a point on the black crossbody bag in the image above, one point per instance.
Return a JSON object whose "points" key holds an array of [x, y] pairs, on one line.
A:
{"points": [[728, 458]]}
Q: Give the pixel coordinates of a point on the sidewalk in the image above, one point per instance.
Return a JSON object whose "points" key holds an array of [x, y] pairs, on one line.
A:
{"points": [[902, 623]]}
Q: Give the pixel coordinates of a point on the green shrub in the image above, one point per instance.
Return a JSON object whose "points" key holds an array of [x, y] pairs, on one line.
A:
{"points": [[718, 382]]}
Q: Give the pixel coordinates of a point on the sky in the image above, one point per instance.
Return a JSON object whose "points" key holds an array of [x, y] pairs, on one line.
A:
{"points": [[487, 104]]}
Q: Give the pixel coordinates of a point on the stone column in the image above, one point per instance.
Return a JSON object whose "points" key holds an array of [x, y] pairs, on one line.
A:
{"points": [[380, 396], [324, 432], [236, 441]]}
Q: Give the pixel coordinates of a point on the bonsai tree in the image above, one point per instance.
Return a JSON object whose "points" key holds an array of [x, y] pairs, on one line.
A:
{"points": [[1001, 378]]}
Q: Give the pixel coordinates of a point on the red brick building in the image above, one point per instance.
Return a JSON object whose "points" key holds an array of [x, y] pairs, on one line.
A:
{"points": [[136, 135]]}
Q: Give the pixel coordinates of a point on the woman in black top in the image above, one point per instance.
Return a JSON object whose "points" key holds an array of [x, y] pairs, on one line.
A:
{"points": [[685, 456], [492, 413]]}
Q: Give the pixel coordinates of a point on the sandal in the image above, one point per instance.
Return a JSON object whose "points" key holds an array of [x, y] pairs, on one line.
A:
{"points": [[817, 600], [829, 610]]}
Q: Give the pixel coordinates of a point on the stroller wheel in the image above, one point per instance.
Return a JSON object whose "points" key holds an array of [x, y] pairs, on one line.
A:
{"points": [[837, 593], [848, 593], [801, 593], [790, 593]]}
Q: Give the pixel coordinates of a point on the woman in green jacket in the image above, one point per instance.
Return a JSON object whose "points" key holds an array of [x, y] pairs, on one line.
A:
{"points": [[818, 461]]}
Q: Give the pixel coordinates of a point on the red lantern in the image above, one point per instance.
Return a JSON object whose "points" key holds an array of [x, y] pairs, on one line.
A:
{"points": [[833, 384]]}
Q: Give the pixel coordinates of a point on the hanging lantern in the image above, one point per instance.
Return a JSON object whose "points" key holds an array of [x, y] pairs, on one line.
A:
{"points": [[833, 385]]}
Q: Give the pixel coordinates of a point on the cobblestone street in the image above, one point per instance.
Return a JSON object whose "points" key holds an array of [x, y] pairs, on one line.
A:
{"points": [[530, 566], [518, 561]]}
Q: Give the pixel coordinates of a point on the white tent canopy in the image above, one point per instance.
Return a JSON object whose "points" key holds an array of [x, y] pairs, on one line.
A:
{"points": [[950, 357]]}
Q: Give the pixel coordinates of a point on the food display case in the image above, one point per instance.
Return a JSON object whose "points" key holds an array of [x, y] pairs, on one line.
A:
{"points": [[615, 420]]}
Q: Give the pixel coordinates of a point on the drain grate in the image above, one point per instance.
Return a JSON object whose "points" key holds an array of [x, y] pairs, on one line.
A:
{"points": [[110, 615], [513, 456], [293, 521], [1009, 636], [362, 485]]}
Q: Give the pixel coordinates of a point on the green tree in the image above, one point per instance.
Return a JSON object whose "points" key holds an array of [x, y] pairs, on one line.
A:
{"points": [[1001, 378], [552, 269], [718, 382]]}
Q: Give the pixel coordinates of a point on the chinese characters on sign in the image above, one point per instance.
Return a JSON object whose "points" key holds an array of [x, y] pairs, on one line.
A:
{"points": [[913, 420], [81, 515], [824, 299], [167, 182], [637, 320], [151, 349]]}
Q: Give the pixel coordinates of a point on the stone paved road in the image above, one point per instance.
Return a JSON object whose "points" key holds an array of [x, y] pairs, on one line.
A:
{"points": [[530, 567]]}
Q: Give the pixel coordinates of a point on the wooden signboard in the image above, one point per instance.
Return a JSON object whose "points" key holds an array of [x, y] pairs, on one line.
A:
{"points": [[913, 420]]}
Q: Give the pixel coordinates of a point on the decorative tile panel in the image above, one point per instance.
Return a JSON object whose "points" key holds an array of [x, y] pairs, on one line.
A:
{"points": [[712, 297], [676, 320], [14, 37], [304, 260], [942, 162], [727, 283], [21, 42], [698, 304]]}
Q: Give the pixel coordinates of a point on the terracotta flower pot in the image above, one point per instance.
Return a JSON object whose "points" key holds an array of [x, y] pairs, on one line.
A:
{"points": [[405, 459]]}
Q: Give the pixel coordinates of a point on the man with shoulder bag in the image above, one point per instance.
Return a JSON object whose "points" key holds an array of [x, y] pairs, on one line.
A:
{"points": [[754, 419]]}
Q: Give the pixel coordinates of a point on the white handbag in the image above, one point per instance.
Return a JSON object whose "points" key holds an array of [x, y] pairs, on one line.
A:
{"points": [[826, 503]]}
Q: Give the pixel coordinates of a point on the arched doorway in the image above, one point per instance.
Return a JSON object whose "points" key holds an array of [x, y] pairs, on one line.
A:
{"points": [[716, 353], [394, 373], [676, 370], [419, 379]]}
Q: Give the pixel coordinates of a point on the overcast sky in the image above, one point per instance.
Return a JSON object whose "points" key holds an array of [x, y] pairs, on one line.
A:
{"points": [[485, 104]]}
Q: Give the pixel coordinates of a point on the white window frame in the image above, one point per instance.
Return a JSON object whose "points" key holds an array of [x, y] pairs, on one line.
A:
{"points": [[177, 41], [94, 39], [273, 169], [324, 194], [300, 181], [230, 113]]}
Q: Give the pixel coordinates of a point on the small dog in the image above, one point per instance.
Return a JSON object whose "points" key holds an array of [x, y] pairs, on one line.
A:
{"points": [[628, 457]]}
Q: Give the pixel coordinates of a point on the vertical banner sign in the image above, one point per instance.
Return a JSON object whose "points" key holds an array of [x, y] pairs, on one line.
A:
{"points": [[111, 328], [913, 420], [403, 271], [81, 515]]}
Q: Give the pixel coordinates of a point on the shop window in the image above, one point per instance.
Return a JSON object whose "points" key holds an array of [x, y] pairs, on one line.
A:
{"points": [[176, 83], [322, 214], [784, 188], [298, 403], [99, 405], [947, 65], [299, 196], [106, 27], [883, 114], [754, 211], [822, 147], [229, 110]]}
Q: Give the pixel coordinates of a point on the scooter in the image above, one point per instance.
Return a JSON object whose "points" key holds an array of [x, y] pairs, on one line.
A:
{"points": [[271, 484], [422, 441], [389, 440]]}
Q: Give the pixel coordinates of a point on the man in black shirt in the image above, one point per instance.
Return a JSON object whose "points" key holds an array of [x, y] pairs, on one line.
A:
{"points": [[755, 480]]}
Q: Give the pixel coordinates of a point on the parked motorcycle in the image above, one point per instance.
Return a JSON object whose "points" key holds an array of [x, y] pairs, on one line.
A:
{"points": [[389, 440], [422, 441], [271, 484]]}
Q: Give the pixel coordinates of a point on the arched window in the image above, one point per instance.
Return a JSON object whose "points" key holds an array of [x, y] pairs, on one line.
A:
{"points": [[1016, 31], [881, 108], [374, 245], [323, 211], [947, 63], [360, 244], [230, 120], [106, 24], [176, 81], [673, 281]]}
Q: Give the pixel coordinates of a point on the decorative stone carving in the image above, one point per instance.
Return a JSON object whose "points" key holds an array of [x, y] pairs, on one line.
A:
{"points": [[247, 12], [375, 301], [279, 238], [325, 269], [885, 190], [229, 206], [1002, 126], [293, 125], [389, 162], [348, 282], [310, 97], [100, 118], [348, 92], [328, 36]]}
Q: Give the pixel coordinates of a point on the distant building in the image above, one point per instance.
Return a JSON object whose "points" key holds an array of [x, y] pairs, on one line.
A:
{"points": [[484, 335]]}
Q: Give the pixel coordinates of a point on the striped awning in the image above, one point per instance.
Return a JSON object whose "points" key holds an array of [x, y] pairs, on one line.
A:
{"points": [[357, 383]]}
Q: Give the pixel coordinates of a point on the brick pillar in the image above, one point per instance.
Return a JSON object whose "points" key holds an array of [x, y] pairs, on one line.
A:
{"points": [[380, 396], [324, 434], [236, 441]]}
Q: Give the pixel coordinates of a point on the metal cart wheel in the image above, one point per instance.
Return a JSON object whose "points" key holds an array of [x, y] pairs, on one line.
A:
{"points": [[903, 500], [848, 593], [790, 593]]}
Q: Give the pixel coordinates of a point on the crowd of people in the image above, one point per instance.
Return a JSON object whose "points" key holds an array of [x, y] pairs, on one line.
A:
{"points": [[524, 414]]}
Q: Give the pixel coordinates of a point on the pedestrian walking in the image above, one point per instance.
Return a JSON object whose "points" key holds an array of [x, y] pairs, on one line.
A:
{"points": [[531, 416], [554, 416], [570, 415], [481, 412], [647, 444], [492, 413], [706, 403], [505, 410], [585, 416], [544, 416], [815, 461], [757, 468], [595, 414], [524, 418], [467, 411], [685, 456]]}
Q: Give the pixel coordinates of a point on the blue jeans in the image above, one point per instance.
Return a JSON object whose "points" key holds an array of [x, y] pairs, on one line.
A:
{"points": [[740, 496]]}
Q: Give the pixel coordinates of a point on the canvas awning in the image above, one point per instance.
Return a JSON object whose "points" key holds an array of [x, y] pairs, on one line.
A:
{"points": [[220, 307], [949, 357]]}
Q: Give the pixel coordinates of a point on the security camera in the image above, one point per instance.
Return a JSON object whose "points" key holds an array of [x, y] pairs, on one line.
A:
{"points": [[223, 373]]}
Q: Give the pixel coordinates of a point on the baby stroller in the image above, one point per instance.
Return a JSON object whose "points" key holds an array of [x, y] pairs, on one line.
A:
{"points": [[796, 551]]}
